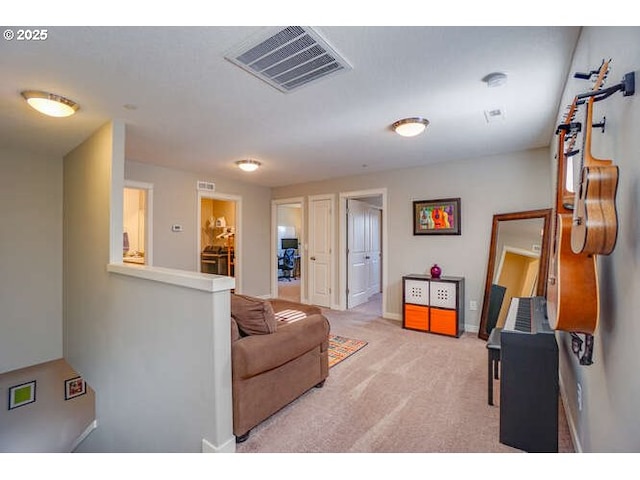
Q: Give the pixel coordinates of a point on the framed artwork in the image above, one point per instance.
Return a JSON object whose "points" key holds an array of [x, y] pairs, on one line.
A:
{"points": [[74, 387], [436, 217], [22, 394]]}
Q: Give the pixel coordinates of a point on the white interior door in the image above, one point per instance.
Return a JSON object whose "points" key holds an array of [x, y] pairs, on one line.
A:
{"points": [[320, 250], [358, 264], [375, 251]]}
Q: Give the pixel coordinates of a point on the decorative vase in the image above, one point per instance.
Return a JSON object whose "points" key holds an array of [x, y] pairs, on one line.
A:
{"points": [[435, 271]]}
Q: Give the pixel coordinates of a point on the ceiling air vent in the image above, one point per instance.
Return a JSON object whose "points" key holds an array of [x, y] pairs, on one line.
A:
{"points": [[288, 57]]}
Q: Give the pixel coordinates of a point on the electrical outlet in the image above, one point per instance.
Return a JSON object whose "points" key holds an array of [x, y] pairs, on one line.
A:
{"points": [[473, 305], [579, 396]]}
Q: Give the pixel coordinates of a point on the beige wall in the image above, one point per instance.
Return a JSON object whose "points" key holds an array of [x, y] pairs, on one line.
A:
{"points": [[142, 345], [497, 184], [175, 201], [609, 421], [30, 259]]}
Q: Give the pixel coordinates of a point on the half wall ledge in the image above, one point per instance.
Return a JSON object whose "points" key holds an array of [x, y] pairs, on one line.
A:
{"points": [[184, 278]]}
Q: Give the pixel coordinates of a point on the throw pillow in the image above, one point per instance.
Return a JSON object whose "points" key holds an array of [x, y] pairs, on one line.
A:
{"points": [[253, 315]]}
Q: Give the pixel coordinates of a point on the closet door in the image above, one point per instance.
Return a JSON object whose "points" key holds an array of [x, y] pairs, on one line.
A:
{"points": [[374, 251], [358, 244]]}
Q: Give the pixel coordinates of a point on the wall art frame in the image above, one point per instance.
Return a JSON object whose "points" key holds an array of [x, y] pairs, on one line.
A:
{"points": [[437, 217], [74, 387], [23, 394]]}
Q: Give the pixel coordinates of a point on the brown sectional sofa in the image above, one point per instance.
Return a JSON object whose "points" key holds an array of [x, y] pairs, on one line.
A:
{"points": [[273, 361]]}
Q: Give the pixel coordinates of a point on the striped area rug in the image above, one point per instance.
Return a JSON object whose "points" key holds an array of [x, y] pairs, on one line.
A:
{"points": [[342, 347]]}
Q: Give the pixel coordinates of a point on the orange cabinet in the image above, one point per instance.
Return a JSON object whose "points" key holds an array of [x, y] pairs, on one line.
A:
{"points": [[434, 305]]}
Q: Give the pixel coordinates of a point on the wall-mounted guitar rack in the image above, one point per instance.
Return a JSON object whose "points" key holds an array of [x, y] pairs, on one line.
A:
{"points": [[628, 87]]}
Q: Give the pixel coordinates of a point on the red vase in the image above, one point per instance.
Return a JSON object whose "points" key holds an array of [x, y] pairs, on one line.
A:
{"points": [[435, 271]]}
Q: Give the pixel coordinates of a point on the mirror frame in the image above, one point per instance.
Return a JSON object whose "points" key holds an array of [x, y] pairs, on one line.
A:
{"points": [[541, 289]]}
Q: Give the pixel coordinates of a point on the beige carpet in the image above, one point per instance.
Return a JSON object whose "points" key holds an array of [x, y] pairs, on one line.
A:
{"points": [[289, 289], [406, 391]]}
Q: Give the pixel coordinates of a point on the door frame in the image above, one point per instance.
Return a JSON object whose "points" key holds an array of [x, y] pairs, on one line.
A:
{"points": [[238, 235], [148, 221], [342, 233], [302, 249]]}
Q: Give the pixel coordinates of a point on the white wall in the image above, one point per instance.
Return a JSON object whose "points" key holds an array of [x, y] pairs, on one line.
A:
{"points": [[175, 200], [30, 259], [157, 355], [486, 186], [609, 421]]}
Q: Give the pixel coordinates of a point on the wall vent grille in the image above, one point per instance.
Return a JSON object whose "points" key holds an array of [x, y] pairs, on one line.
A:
{"points": [[288, 58], [206, 186]]}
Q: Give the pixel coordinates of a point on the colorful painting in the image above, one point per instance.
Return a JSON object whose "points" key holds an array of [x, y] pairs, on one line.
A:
{"points": [[436, 217], [74, 387], [22, 394]]}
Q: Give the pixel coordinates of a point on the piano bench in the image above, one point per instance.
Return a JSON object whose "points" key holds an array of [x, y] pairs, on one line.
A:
{"points": [[493, 348]]}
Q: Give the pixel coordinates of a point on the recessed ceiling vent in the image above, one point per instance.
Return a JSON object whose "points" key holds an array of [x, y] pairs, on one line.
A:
{"points": [[288, 58]]}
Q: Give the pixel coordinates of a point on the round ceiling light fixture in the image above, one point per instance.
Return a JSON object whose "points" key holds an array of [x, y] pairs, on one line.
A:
{"points": [[248, 165], [410, 127], [50, 104], [495, 79]]}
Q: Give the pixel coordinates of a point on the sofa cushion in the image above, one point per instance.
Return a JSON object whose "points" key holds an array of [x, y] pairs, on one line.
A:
{"points": [[255, 354], [235, 331], [253, 315]]}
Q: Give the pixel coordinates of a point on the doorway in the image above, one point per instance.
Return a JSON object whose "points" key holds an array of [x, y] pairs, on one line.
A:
{"points": [[218, 241], [137, 218], [363, 241], [288, 249]]}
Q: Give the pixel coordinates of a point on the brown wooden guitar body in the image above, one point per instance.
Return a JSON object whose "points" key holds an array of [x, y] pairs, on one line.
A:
{"points": [[595, 219], [572, 290]]}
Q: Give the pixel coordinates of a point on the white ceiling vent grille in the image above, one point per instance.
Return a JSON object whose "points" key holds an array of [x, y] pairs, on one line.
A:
{"points": [[288, 58]]}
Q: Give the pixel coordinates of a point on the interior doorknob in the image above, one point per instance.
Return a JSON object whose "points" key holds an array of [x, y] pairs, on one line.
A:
{"points": [[313, 258]]}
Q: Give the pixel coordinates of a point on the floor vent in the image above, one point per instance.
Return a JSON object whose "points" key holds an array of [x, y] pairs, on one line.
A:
{"points": [[288, 58]]}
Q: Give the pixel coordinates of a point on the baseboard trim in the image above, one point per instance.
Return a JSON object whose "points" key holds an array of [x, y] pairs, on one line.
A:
{"points": [[92, 426], [471, 328], [573, 430], [227, 447]]}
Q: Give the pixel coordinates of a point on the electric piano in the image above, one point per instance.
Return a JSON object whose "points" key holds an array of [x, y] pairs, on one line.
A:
{"points": [[529, 378]]}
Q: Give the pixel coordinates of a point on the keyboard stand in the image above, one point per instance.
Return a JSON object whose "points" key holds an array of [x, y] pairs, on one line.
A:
{"points": [[493, 348]]}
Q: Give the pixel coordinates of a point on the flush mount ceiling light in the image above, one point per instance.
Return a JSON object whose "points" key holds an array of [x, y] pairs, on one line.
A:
{"points": [[50, 103], [248, 165], [410, 127], [495, 79]]}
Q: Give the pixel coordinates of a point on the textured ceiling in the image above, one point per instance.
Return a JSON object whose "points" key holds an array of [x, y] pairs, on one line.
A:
{"points": [[187, 107]]}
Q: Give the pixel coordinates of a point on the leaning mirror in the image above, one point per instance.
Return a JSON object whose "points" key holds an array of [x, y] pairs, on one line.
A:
{"points": [[518, 263]]}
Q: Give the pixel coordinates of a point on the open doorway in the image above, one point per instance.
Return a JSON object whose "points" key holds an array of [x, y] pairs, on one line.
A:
{"points": [[288, 216], [137, 228], [218, 218]]}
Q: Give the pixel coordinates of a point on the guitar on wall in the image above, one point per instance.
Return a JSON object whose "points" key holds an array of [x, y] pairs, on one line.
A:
{"points": [[595, 218], [572, 290]]}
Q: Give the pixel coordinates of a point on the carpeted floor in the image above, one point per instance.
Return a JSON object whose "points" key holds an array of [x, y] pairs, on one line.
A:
{"points": [[406, 391]]}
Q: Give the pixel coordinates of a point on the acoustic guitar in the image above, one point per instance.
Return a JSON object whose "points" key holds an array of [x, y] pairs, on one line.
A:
{"points": [[572, 289], [595, 219]]}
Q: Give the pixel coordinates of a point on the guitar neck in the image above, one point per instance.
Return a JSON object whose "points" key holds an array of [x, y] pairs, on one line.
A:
{"points": [[588, 160]]}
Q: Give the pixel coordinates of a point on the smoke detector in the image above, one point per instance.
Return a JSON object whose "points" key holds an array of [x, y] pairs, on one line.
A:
{"points": [[288, 58]]}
